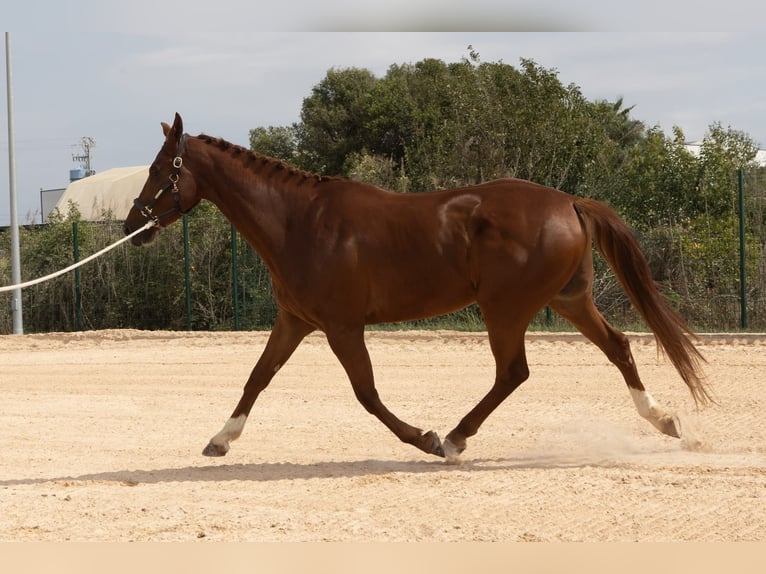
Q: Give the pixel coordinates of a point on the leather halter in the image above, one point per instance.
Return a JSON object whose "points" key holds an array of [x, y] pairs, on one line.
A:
{"points": [[171, 184]]}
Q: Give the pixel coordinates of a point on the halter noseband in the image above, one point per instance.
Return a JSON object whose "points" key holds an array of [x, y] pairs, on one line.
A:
{"points": [[171, 184]]}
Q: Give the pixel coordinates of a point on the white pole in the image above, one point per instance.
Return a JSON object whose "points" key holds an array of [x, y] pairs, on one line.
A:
{"points": [[18, 322]]}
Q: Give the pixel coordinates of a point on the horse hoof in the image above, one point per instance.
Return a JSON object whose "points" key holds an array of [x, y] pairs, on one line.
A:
{"points": [[435, 446], [672, 426], [669, 425], [452, 452], [214, 450]]}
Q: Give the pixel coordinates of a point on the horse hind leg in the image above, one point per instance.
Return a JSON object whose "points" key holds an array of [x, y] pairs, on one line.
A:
{"points": [[583, 314], [511, 371]]}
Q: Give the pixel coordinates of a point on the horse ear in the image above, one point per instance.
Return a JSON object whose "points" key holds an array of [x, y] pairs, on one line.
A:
{"points": [[178, 126]]}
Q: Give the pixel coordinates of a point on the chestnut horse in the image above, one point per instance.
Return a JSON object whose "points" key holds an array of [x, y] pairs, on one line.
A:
{"points": [[344, 254]]}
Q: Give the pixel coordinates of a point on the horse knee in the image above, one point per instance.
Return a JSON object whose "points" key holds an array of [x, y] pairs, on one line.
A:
{"points": [[520, 372], [511, 378], [517, 374]]}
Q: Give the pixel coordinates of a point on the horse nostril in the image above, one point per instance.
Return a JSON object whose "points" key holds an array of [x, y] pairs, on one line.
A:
{"points": [[127, 229]]}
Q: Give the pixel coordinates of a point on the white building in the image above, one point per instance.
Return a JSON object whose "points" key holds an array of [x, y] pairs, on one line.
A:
{"points": [[112, 190], [695, 147]]}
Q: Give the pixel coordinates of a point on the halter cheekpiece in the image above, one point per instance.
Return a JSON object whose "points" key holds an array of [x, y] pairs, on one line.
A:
{"points": [[171, 184]]}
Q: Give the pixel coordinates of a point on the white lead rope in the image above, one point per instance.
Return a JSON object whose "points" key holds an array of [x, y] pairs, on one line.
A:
{"points": [[149, 224]]}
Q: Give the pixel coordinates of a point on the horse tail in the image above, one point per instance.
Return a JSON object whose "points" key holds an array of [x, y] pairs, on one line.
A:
{"points": [[616, 243]]}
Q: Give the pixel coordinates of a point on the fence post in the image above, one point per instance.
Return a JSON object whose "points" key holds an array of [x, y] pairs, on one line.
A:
{"points": [[235, 277], [742, 245], [77, 285], [187, 273]]}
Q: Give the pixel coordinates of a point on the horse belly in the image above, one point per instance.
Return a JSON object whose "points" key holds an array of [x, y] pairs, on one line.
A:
{"points": [[427, 293]]}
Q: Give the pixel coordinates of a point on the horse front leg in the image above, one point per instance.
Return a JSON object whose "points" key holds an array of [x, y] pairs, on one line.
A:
{"points": [[287, 333], [352, 353]]}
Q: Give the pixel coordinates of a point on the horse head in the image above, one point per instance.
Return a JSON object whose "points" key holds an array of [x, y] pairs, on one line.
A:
{"points": [[169, 191]]}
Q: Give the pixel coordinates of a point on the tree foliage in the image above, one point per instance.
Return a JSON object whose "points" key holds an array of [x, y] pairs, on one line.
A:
{"points": [[443, 125], [280, 142], [333, 120]]}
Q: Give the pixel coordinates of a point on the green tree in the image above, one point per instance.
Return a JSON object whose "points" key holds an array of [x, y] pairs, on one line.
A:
{"points": [[615, 135], [333, 120], [280, 142], [656, 183], [723, 152]]}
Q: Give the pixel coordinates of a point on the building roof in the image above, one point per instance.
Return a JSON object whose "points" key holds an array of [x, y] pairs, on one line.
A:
{"points": [[110, 191], [696, 147]]}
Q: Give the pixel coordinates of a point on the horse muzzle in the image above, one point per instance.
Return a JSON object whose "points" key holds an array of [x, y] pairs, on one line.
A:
{"points": [[144, 238]]}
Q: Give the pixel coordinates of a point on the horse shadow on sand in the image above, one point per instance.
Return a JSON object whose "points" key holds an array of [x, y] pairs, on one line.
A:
{"points": [[275, 471]]}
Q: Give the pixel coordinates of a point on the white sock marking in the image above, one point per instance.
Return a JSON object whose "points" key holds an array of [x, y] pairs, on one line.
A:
{"points": [[451, 453], [230, 431], [651, 411], [646, 405]]}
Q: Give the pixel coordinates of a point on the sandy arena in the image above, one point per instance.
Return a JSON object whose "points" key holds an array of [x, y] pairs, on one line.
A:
{"points": [[102, 434]]}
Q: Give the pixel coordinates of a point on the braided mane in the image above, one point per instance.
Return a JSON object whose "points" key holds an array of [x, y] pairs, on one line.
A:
{"points": [[258, 161]]}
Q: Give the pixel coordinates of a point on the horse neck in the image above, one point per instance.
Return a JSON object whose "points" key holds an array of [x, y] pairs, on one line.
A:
{"points": [[255, 193]]}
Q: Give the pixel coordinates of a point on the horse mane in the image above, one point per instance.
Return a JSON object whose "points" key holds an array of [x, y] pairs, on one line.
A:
{"points": [[251, 159]]}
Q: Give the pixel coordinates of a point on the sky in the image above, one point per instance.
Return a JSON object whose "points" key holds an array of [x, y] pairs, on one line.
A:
{"points": [[114, 71]]}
